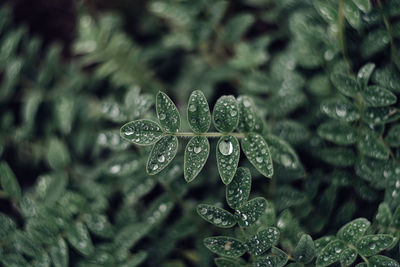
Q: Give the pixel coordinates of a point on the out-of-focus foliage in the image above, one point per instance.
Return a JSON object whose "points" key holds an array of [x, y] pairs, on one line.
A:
{"points": [[323, 76]]}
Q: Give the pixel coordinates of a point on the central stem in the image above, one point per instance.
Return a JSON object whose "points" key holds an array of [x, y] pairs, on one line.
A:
{"points": [[211, 134]]}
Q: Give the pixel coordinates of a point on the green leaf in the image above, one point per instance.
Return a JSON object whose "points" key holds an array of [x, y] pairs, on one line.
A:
{"points": [[257, 151], [7, 226], [198, 112], [384, 216], [393, 136], [228, 153], [338, 133], [365, 71], [353, 230], [9, 182], [352, 14], [141, 132], [167, 113], [227, 262], [226, 114], [217, 216], [305, 249], [55, 188], [99, 225], [374, 42], [347, 257], [262, 241], [42, 261], [237, 26], [338, 156], [340, 109], [283, 154], [321, 243], [25, 244], [247, 117], [381, 115], [363, 5], [370, 145], [162, 153], [78, 237], [59, 253], [345, 84], [225, 246], [249, 213], [396, 218], [13, 260], [196, 155], [376, 96], [327, 10], [380, 260], [57, 154], [373, 244], [42, 230], [238, 191], [331, 253]]}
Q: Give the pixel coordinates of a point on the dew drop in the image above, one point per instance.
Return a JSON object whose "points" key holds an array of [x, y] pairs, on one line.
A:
{"points": [[233, 113], [155, 167], [197, 149], [161, 158], [162, 116], [259, 159], [225, 147], [286, 160], [372, 246], [192, 108]]}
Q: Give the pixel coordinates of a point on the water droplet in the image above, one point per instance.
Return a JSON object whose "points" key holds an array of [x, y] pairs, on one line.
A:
{"points": [[259, 159], [192, 108], [161, 158], [233, 113], [372, 246], [203, 211], [286, 160], [217, 220], [162, 116], [197, 149], [341, 110], [155, 167], [338, 250], [225, 147]]}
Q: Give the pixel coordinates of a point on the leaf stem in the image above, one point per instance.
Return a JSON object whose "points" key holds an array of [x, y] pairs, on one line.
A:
{"points": [[342, 38], [210, 134]]}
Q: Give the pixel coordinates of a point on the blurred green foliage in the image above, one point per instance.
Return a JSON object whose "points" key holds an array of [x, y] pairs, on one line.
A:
{"points": [[324, 76]]}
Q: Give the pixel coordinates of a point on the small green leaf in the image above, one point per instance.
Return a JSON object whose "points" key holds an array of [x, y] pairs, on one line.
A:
{"points": [[167, 113], [338, 133], [352, 14], [99, 225], [305, 249], [57, 154], [257, 151], [247, 117], [141, 132], [338, 156], [13, 260], [340, 109], [198, 112], [373, 244], [249, 213], [9, 182], [55, 188], [365, 71], [393, 136], [327, 10], [217, 216], [370, 145], [59, 253], [196, 155], [238, 191], [42, 230], [353, 230], [162, 153], [380, 260], [331, 253], [381, 115], [43, 260], [225, 246], [384, 216], [363, 5], [321, 243], [262, 241], [347, 257], [376, 96], [7, 226], [78, 237], [345, 84], [26, 244], [226, 114], [228, 153], [396, 218], [227, 262]]}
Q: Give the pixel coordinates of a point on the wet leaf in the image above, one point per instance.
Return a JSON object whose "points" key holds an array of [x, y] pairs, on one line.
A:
{"points": [[373, 244], [167, 113], [59, 253], [7, 226], [338, 133], [345, 84], [340, 109], [226, 114], [9, 182], [238, 191], [393, 136], [365, 71], [262, 241], [141, 132], [305, 249], [331, 253], [363, 5], [228, 153], [381, 115], [352, 14], [370, 145], [384, 216], [225, 246], [99, 225], [79, 238], [338, 156], [196, 155], [327, 10], [383, 261], [217, 216], [376, 96], [347, 257], [249, 213], [227, 262], [257, 152], [198, 112], [247, 117], [353, 230], [162, 153]]}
